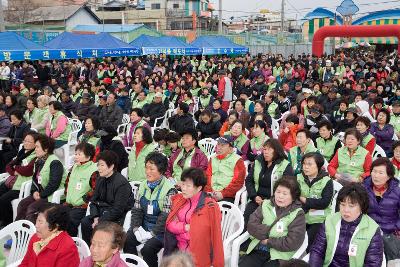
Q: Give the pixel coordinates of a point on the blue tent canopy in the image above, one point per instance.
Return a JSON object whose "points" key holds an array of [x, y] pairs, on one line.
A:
{"points": [[164, 45], [91, 45], [15, 47], [214, 45]]}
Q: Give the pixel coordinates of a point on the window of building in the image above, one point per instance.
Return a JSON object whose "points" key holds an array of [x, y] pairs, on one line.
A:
{"points": [[155, 6], [175, 6]]}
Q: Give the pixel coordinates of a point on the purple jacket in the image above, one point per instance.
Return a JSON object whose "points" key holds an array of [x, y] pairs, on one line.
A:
{"points": [[383, 137], [385, 213], [116, 261], [199, 160], [373, 257], [5, 126]]}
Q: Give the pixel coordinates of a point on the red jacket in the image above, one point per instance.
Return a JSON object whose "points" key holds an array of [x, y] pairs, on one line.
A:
{"points": [[59, 252], [334, 165], [205, 231]]}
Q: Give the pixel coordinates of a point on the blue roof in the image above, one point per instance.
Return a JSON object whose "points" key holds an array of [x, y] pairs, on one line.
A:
{"points": [[68, 40], [384, 14], [215, 42], [112, 28], [11, 41], [169, 45], [319, 13]]}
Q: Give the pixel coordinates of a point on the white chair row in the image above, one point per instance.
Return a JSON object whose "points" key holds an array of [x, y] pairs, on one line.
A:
{"points": [[208, 145], [76, 126]]}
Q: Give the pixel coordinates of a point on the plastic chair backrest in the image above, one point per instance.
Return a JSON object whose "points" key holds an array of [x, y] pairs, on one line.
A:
{"points": [[232, 224], [275, 128], [127, 221], [208, 145], [124, 172], [378, 152], [20, 232], [83, 248], [126, 118], [133, 260], [135, 187], [336, 188]]}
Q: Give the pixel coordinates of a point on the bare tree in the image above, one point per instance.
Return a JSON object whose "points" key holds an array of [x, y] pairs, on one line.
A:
{"points": [[18, 10]]}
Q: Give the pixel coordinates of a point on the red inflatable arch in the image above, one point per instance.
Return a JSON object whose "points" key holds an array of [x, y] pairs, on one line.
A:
{"points": [[353, 31]]}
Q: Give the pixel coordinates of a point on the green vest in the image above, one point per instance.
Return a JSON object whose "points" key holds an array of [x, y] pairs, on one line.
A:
{"points": [[45, 174], [150, 96], [276, 71], [277, 172], [28, 116], [361, 238], [366, 140], [79, 183], [205, 100], [269, 216], [177, 170], [353, 165], [315, 191], [256, 143], [139, 104], [164, 186], [41, 114], [395, 121], [93, 140], [272, 108], [222, 171], [75, 96], [240, 141], [53, 126], [247, 105], [295, 156], [195, 91], [326, 147], [136, 165], [22, 179]]}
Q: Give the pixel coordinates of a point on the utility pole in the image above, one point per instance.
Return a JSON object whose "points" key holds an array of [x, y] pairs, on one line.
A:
{"points": [[220, 18], [283, 16], [2, 27]]}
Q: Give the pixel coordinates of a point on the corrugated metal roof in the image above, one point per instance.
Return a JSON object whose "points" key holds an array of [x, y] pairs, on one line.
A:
{"points": [[107, 28]]}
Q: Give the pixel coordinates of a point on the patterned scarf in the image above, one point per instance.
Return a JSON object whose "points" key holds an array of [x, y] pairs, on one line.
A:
{"points": [[153, 185], [39, 245]]}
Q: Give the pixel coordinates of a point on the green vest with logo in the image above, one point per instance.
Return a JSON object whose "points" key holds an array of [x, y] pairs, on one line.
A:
{"points": [[272, 109], [136, 166], [22, 179], [354, 165], [205, 100], [256, 143], [41, 114], [366, 140], [79, 183], [45, 174], [280, 229], [164, 186], [277, 172], [240, 141], [177, 170], [222, 171], [326, 147], [53, 126], [315, 191], [395, 121], [361, 238], [295, 157]]}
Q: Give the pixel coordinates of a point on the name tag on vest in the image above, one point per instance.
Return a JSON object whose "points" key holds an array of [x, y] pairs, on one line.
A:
{"points": [[279, 227], [78, 186], [352, 250], [316, 212], [39, 179], [150, 209]]}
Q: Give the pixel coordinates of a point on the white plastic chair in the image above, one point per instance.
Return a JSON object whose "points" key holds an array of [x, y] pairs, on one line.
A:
{"points": [[3, 177], [124, 172], [24, 192], [83, 248], [127, 221], [20, 232], [241, 199], [126, 118], [378, 152], [275, 128], [208, 145], [57, 195], [122, 129], [76, 126], [234, 261], [133, 260], [232, 226], [336, 188]]}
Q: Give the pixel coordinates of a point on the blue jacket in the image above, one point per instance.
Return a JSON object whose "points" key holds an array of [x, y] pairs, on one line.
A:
{"points": [[386, 212]]}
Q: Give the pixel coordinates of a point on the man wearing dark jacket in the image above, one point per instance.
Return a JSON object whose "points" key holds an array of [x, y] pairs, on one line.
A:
{"points": [[259, 88], [112, 196], [5, 123], [111, 113], [85, 108], [182, 120], [154, 110], [67, 104]]}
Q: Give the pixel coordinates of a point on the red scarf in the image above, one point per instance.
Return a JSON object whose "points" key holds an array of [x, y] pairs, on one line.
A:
{"points": [[396, 163], [139, 146], [222, 156], [379, 190]]}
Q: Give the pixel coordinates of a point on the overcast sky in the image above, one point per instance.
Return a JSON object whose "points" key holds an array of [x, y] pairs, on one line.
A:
{"points": [[239, 8]]}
